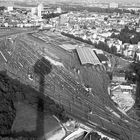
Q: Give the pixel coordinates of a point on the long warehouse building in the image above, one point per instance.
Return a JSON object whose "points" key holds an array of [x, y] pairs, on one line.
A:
{"points": [[87, 56]]}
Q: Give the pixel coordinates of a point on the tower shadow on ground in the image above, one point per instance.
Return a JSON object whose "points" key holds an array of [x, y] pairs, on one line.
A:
{"points": [[42, 67], [26, 93]]}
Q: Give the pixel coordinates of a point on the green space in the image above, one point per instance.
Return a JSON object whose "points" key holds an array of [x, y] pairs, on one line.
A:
{"points": [[26, 117], [24, 112]]}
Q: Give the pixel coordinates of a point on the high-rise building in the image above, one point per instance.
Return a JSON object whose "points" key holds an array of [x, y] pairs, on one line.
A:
{"points": [[59, 10], [33, 10], [10, 8], [40, 8], [113, 5]]}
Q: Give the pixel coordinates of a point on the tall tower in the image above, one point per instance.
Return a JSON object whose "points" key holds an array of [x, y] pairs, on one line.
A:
{"points": [[40, 8]]}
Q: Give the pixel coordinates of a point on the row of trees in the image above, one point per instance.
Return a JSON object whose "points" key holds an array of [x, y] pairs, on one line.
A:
{"points": [[128, 36], [95, 136], [2, 8], [17, 138], [52, 15], [95, 9], [101, 45]]}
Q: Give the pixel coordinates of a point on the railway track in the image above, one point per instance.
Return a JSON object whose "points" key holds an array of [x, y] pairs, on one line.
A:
{"points": [[73, 97]]}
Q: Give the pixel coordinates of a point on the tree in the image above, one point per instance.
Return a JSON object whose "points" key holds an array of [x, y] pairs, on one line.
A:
{"points": [[113, 50], [106, 18], [104, 138], [84, 27], [133, 73], [102, 46], [2, 8], [128, 36], [135, 57], [135, 39]]}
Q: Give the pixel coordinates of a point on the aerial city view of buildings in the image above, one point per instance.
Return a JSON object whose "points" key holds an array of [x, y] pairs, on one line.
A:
{"points": [[69, 70]]}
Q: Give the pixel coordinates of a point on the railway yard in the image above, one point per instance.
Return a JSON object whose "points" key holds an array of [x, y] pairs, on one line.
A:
{"points": [[66, 84]]}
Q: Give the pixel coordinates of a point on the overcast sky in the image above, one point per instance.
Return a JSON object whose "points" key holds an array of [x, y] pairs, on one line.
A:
{"points": [[103, 1], [119, 1]]}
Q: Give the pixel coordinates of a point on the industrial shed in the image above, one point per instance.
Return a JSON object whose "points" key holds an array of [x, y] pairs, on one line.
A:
{"points": [[101, 56], [87, 56], [68, 47]]}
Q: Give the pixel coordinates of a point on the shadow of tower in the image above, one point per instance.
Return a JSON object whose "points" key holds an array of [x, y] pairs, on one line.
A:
{"points": [[42, 67]]}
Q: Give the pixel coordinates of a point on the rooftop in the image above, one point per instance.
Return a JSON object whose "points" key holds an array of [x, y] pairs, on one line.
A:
{"points": [[87, 56], [68, 47]]}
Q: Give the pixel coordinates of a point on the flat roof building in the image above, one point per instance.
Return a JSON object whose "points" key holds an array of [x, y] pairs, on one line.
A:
{"points": [[113, 5], [40, 8], [59, 10], [68, 47], [10, 8], [87, 56], [33, 10]]}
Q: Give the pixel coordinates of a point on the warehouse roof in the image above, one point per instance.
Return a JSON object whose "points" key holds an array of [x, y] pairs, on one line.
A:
{"points": [[68, 46], [102, 57], [98, 51], [87, 56]]}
